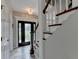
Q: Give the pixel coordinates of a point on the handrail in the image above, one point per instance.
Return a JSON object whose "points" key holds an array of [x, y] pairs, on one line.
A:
{"points": [[36, 28], [44, 10], [66, 11]]}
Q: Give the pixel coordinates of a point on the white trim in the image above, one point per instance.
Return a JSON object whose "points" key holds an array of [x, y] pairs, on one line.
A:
{"points": [[55, 8]]}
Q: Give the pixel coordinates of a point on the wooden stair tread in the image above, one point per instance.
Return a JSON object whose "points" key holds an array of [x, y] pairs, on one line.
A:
{"points": [[48, 33], [55, 25], [44, 38]]}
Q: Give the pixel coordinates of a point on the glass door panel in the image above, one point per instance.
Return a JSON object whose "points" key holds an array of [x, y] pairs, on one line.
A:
{"points": [[27, 32], [19, 32]]}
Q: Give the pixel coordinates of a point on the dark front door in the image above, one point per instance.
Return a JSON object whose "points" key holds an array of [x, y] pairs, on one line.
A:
{"points": [[24, 33]]}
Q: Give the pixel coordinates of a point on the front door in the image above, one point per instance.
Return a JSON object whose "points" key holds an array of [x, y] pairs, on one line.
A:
{"points": [[24, 33]]}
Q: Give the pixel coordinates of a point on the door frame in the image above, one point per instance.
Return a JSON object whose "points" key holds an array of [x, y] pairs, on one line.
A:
{"points": [[32, 29]]}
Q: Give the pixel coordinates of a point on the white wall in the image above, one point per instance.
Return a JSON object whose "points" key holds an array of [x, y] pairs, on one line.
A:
{"points": [[75, 3], [11, 31], [6, 33], [63, 43]]}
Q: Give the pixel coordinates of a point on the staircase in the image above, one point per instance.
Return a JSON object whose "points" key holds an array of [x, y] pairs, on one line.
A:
{"points": [[60, 17], [52, 38], [62, 43]]}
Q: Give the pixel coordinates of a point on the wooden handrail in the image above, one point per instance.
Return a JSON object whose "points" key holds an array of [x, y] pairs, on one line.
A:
{"points": [[44, 11], [66, 11], [36, 28]]}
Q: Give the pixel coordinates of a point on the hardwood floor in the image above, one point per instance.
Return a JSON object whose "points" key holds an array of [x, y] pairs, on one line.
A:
{"points": [[22, 53]]}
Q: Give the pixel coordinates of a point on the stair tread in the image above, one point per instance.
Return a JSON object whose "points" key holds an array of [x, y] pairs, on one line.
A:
{"points": [[47, 33], [55, 25]]}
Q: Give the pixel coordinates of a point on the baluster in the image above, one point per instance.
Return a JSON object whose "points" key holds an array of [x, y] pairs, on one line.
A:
{"points": [[55, 12], [60, 5], [47, 22], [66, 5], [54, 17], [44, 23], [55, 7]]}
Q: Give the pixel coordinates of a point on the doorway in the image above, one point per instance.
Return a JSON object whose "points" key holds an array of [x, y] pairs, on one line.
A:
{"points": [[25, 30]]}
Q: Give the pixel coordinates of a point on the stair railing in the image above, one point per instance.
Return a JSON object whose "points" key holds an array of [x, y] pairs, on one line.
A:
{"points": [[59, 8]]}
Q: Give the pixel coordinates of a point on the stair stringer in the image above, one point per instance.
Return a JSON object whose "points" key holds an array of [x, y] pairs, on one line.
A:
{"points": [[62, 19], [63, 43]]}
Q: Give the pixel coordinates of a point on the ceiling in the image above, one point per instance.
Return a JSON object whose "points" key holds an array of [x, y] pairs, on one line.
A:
{"points": [[22, 5]]}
